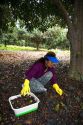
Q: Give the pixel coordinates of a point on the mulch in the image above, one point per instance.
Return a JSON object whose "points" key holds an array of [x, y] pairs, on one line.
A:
{"points": [[53, 109]]}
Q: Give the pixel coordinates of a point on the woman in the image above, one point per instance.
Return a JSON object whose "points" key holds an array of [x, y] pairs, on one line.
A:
{"points": [[40, 73]]}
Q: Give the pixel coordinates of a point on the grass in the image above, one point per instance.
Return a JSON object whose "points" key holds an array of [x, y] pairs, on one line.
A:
{"points": [[19, 48], [28, 48]]}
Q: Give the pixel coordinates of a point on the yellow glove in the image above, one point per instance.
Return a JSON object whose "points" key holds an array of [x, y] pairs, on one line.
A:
{"points": [[26, 88], [58, 90]]}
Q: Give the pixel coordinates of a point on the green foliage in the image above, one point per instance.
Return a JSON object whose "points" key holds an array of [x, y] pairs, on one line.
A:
{"points": [[32, 12], [6, 18], [36, 37], [10, 37], [56, 37], [49, 22], [36, 32]]}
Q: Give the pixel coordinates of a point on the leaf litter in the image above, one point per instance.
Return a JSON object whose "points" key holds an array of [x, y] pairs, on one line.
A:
{"points": [[53, 109]]}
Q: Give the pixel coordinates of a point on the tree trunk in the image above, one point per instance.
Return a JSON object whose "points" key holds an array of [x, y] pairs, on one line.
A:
{"points": [[5, 43], [37, 45], [75, 35], [76, 40]]}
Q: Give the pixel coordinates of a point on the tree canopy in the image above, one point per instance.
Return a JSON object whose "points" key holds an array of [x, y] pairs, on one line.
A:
{"points": [[32, 12]]}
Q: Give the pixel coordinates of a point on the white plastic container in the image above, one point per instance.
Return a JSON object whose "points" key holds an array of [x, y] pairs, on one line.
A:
{"points": [[26, 109]]}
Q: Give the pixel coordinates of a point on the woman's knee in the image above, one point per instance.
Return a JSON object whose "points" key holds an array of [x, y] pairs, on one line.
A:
{"points": [[49, 74]]}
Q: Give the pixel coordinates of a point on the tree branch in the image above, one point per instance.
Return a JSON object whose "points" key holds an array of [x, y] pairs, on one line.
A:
{"points": [[64, 12], [67, 18]]}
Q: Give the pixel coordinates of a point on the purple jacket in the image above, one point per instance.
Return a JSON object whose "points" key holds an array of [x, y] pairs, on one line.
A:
{"points": [[37, 70]]}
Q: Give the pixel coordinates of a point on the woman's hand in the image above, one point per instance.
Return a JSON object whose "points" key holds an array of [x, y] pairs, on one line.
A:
{"points": [[26, 88], [57, 89]]}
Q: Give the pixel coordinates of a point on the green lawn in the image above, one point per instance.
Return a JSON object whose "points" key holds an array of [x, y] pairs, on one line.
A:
{"points": [[18, 48], [28, 48]]}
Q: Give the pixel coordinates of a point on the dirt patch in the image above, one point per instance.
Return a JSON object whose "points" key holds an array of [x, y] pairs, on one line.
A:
{"points": [[53, 109]]}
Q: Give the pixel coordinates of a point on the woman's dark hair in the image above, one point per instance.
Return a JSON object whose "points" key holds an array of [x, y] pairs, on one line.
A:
{"points": [[42, 59], [50, 54]]}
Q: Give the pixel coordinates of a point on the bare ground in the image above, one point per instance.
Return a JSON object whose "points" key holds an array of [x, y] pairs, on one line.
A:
{"points": [[53, 109]]}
